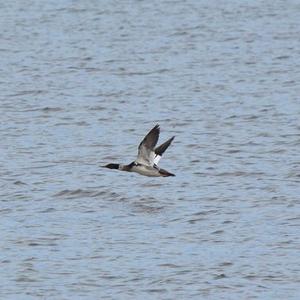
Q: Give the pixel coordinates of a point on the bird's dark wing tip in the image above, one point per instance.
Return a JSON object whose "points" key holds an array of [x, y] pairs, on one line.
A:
{"points": [[151, 137], [156, 127]]}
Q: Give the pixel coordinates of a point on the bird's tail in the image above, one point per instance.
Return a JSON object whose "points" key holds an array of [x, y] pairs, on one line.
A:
{"points": [[165, 173]]}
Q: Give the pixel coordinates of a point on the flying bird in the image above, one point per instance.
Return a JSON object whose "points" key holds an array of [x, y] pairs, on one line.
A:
{"points": [[148, 157]]}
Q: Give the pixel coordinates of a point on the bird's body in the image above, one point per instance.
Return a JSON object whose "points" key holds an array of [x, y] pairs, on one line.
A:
{"points": [[148, 157], [145, 170]]}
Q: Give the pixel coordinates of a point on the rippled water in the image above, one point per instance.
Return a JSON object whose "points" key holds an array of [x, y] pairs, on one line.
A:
{"points": [[82, 82]]}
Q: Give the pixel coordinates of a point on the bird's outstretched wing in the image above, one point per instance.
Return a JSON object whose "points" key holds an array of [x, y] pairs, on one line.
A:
{"points": [[161, 149], [146, 152]]}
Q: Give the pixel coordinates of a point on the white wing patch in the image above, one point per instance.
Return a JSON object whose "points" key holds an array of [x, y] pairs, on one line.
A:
{"points": [[156, 159]]}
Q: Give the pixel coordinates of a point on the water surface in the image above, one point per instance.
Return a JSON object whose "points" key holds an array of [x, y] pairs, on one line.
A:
{"points": [[81, 84]]}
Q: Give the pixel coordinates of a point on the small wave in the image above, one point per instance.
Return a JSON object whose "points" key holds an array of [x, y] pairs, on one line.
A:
{"points": [[98, 107], [71, 194], [77, 192], [48, 210], [51, 109], [240, 173], [218, 232], [28, 92], [19, 182], [220, 276]]}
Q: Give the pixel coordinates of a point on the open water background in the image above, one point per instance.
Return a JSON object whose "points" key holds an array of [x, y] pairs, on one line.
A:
{"points": [[81, 82]]}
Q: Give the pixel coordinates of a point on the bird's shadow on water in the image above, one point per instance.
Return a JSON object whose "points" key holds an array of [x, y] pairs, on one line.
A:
{"points": [[148, 205], [121, 190], [102, 197]]}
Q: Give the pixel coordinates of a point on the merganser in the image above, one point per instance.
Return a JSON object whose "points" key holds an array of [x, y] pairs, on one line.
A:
{"points": [[148, 157]]}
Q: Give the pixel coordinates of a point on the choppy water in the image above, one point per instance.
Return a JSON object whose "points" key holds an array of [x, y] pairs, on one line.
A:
{"points": [[81, 82]]}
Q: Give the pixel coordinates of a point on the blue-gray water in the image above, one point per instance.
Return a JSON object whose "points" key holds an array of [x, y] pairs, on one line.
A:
{"points": [[81, 82]]}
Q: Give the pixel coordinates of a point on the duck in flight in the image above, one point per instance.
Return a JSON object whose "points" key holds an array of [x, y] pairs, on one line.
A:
{"points": [[148, 157]]}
